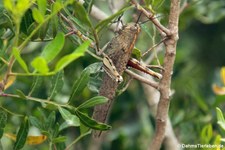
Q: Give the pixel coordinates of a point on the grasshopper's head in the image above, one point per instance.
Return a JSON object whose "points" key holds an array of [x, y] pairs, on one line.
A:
{"points": [[132, 27]]}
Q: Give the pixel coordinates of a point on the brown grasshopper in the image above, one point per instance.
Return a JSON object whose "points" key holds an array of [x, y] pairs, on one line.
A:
{"points": [[119, 51], [115, 62]]}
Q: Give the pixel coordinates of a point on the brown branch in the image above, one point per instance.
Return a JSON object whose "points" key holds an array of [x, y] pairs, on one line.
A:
{"points": [[152, 96], [154, 20], [142, 79], [165, 83], [154, 46]]}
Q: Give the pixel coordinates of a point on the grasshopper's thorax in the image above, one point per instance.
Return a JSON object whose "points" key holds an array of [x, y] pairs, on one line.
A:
{"points": [[132, 28]]}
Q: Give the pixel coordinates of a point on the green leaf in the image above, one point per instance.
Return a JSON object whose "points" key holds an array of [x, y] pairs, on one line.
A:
{"points": [[22, 135], [220, 118], [54, 25], [206, 134], [94, 84], [54, 47], [94, 68], [40, 64], [21, 94], [136, 53], [93, 102], [59, 139], [106, 21], [86, 120], [36, 122], [27, 21], [81, 14], [37, 83], [42, 5], [87, 5], [84, 129], [78, 52], [22, 63], [56, 84], [57, 6], [71, 120], [3, 121], [146, 29], [50, 106], [8, 4], [80, 84], [148, 2], [42, 32], [50, 122], [37, 15]]}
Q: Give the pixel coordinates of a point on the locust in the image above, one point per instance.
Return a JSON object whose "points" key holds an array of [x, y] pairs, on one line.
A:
{"points": [[118, 53]]}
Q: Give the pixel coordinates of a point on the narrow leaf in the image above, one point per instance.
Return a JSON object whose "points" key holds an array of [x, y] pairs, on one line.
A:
{"points": [[50, 122], [220, 118], [93, 102], [81, 14], [21, 94], [40, 64], [80, 84], [8, 4], [37, 15], [22, 135], [3, 121], [147, 2], [71, 120], [42, 4], [22, 63], [59, 139], [56, 84], [54, 47], [86, 120], [94, 68], [36, 122], [37, 83], [87, 5], [57, 6], [206, 133], [106, 21], [63, 62]]}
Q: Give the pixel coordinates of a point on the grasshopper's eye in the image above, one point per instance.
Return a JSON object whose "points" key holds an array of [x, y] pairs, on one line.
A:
{"points": [[134, 28]]}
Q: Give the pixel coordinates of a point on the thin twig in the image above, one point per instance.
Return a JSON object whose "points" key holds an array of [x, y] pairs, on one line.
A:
{"points": [[142, 79], [154, 46], [184, 6], [154, 20]]}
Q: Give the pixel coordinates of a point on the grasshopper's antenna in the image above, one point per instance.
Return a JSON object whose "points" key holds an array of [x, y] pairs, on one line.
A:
{"points": [[152, 18], [138, 18]]}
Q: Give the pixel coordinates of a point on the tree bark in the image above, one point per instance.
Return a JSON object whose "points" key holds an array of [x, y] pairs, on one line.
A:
{"points": [[165, 83]]}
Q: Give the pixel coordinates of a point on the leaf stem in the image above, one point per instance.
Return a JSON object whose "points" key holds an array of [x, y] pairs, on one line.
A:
{"points": [[77, 139], [35, 99]]}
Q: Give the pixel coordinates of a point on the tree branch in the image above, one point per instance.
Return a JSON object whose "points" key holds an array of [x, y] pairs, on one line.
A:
{"points": [[163, 30], [165, 83], [142, 79]]}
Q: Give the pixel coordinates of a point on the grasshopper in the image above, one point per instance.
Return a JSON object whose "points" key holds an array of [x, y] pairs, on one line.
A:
{"points": [[115, 61]]}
